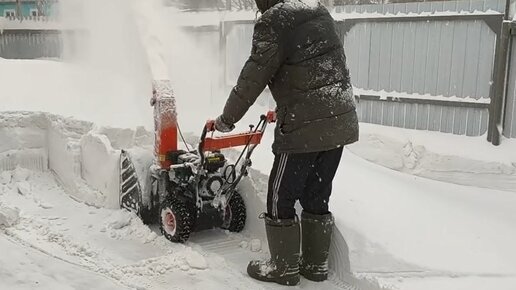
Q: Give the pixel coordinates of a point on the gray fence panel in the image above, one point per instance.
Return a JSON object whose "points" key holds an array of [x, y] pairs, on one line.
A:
{"points": [[420, 56], [486, 60], [408, 57], [510, 115], [459, 52], [30, 44], [438, 58], [434, 6], [386, 40], [449, 119], [471, 60]]}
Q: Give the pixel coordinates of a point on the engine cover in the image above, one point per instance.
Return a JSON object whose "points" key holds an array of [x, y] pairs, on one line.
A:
{"points": [[215, 161]]}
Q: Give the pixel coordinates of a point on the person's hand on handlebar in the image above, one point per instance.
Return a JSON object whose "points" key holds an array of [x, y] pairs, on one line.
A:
{"points": [[222, 126]]}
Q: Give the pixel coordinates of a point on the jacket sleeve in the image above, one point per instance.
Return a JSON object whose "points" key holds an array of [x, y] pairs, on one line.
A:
{"points": [[257, 72]]}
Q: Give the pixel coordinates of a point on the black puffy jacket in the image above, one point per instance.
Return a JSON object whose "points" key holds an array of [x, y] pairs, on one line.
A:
{"points": [[296, 52]]}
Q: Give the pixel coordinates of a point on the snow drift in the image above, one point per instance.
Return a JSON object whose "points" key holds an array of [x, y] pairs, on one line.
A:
{"points": [[84, 158]]}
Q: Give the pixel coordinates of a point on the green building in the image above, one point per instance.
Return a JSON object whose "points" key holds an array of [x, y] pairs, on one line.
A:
{"points": [[26, 8]]}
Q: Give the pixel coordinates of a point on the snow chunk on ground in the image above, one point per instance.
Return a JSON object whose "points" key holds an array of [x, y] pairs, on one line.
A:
{"points": [[243, 244], [120, 219], [24, 187], [20, 174], [256, 245], [195, 260], [5, 177], [9, 216]]}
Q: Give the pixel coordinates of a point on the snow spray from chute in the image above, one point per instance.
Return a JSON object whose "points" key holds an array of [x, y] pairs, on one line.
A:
{"points": [[163, 101], [165, 114]]}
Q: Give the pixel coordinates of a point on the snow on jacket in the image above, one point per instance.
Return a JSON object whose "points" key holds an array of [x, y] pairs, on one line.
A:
{"points": [[296, 52]]}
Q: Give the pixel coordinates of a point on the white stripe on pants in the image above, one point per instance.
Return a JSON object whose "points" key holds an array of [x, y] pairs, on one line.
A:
{"points": [[277, 183]]}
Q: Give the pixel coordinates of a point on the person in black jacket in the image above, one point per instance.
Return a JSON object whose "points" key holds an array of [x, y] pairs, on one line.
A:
{"points": [[296, 51]]}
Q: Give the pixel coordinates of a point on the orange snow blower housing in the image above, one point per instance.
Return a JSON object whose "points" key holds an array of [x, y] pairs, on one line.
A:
{"points": [[165, 121]]}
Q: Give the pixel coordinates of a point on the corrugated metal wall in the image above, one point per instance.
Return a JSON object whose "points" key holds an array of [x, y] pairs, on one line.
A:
{"points": [[449, 58], [470, 6], [30, 44], [448, 119], [510, 106]]}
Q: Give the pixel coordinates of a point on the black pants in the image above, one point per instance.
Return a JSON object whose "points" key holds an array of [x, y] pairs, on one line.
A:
{"points": [[306, 177]]}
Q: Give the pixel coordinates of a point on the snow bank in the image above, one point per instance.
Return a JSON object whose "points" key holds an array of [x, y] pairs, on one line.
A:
{"points": [[100, 167], [395, 222], [469, 161], [8, 216], [81, 156]]}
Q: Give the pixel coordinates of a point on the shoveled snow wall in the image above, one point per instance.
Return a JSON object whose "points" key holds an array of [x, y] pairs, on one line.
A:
{"points": [[82, 157], [100, 167]]}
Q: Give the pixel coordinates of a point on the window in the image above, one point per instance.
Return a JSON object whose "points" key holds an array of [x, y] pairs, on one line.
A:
{"points": [[9, 13], [34, 12]]}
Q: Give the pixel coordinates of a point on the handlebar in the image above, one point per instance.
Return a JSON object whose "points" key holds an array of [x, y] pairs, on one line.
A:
{"points": [[270, 117]]}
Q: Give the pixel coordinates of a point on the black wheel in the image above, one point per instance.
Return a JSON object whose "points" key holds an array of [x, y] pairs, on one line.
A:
{"points": [[235, 214], [176, 220]]}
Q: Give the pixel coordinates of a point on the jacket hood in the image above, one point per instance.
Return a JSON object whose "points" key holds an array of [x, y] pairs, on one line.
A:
{"points": [[264, 5]]}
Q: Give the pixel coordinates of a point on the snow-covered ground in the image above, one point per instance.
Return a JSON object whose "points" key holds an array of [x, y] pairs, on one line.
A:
{"points": [[403, 231], [59, 243], [58, 205], [415, 210]]}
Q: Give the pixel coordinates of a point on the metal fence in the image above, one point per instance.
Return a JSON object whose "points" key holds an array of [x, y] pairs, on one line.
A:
{"points": [[432, 6], [429, 72], [30, 44], [440, 57], [510, 106], [447, 59]]}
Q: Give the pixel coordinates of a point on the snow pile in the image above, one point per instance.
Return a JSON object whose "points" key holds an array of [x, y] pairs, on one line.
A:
{"points": [[8, 216], [119, 219], [470, 161], [195, 260], [87, 247], [395, 222], [5, 177], [81, 156], [255, 245]]}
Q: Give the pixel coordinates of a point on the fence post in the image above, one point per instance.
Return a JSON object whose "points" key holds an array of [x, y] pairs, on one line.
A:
{"points": [[499, 86]]}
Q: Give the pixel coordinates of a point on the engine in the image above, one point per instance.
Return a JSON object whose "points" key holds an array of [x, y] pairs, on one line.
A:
{"points": [[183, 174]]}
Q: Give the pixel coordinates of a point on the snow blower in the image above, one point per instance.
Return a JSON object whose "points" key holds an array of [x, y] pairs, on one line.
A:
{"points": [[192, 190]]}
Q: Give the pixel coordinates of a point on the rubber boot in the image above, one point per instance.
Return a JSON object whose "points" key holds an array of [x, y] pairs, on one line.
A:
{"points": [[284, 242], [316, 238]]}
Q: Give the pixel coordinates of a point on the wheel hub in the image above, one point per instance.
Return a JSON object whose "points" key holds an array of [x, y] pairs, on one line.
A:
{"points": [[169, 221], [228, 215]]}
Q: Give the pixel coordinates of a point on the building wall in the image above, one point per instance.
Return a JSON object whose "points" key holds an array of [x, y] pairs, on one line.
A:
{"points": [[26, 8]]}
